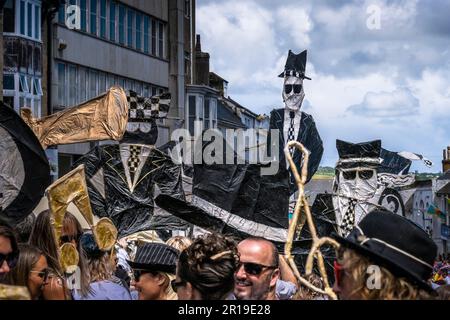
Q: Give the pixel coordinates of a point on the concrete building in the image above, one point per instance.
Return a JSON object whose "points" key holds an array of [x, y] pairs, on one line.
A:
{"points": [[145, 46]]}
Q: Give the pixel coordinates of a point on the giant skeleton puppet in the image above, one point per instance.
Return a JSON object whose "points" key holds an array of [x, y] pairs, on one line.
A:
{"points": [[294, 124], [124, 178]]}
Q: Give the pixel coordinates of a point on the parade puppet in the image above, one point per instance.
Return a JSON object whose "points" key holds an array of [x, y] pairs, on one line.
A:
{"points": [[368, 177], [294, 124], [24, 168], [124, 178]]}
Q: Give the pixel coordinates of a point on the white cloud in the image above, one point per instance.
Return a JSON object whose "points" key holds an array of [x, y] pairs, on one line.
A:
{"points": [[295, 21], [399, 103]]}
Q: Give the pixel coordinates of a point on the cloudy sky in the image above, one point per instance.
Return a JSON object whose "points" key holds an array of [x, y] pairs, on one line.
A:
{"points": [[388, 81]]}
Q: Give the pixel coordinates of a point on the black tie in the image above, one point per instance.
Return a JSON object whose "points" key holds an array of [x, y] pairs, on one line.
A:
{"points": [[291, 131], [133, 160]]}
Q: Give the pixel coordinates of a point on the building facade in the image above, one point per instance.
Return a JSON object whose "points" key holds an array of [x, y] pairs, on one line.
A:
{"points": [[138, 45]]}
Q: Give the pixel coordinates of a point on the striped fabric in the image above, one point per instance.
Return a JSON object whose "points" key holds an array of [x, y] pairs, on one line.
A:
{"points": [[155, 256]]}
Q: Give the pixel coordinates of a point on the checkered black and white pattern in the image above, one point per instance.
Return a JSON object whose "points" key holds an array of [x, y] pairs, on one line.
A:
{"points": [[348, 221], [133, 160], [291, 135], [144, 109]]}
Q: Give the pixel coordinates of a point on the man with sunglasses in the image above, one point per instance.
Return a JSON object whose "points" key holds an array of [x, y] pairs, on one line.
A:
{"points": [[293, 124], [258, 274], [9, 251]]}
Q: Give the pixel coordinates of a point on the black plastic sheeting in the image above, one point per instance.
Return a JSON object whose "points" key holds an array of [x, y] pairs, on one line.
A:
{"points": [[348, 150], [393, 163], [239, 189], [132, 212], [308, 136], [21, 202]]}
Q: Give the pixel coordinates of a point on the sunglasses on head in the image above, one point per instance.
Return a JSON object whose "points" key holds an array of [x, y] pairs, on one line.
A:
{"points": [[10, 258], [177, 284], [254, 269], [289, 87], [42, 274], [363, 174]]}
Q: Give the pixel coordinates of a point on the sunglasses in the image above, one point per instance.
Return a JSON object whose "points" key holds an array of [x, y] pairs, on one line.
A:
{"points": [[363, 174], [254, 269], [42, 274], [67, 239], [338, 270], [289, 87], [11, 259], [177, 284]]}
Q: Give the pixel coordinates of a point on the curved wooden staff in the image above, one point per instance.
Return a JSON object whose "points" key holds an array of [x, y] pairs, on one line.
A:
{"points": [[317, 242]]}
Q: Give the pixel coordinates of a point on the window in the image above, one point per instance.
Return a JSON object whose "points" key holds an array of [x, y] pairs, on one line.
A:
{"points": [[112, 21], [92, 84], [37, 22], [102, 82], [146, 34], [138, 31], [153, 37], [213, 107], [138, 88], [192, 114], [121, 24], [82, 85], [147, 91], [30, 19], [22, 17], [207, 115], [130, 28], [23, 82], [8, 16], [72, 85], [161, 40], [93, 17], [187, 8], [103, 18], [61, 84], [8, 82], [37, 87], [83, 9], [61, 14]]}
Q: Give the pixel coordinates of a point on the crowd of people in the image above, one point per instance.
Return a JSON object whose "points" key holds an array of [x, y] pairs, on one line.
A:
{"points": [[384, 257]]}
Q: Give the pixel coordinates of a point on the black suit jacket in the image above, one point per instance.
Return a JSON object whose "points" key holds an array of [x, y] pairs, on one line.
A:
{"points": [[307, 135], [131, 212]]}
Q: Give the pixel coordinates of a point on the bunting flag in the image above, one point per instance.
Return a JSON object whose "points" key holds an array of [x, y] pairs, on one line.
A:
{"points": [[433, 210]]}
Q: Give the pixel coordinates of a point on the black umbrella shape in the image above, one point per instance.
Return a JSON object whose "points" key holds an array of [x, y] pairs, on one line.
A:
{"points": [[25, 172]]}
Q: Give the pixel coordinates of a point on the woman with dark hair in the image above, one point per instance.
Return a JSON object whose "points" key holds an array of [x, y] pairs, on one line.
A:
{"points": [[205, 270], [43, 237], [103, 285], [9, 251], [71, 232], [31, 271]]}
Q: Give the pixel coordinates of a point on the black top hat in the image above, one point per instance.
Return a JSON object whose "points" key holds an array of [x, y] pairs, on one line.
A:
{"points": [[156, 257], [295, 65], [396, 243], [355, 154]]}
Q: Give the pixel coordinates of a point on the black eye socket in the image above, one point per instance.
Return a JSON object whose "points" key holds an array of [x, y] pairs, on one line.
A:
{"points": [[349, 175], [287, 88], [366, 174], [297, 88]]}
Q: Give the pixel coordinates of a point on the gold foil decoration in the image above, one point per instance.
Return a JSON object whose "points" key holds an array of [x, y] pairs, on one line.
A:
{"points": [[102, 118], [8, 292], [297, 223], [72, 188]]}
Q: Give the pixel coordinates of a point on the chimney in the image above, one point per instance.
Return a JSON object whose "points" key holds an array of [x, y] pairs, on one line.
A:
{"points": [[202, 64], [446, 160]]}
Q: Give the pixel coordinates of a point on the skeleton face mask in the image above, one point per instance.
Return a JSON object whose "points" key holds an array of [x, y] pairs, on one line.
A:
{"points": [[293, 93], [359, 183]]}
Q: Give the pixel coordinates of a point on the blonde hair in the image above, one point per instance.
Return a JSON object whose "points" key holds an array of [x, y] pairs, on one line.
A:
{"points": [[392, 288], [179, 242], [168, 291]]}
